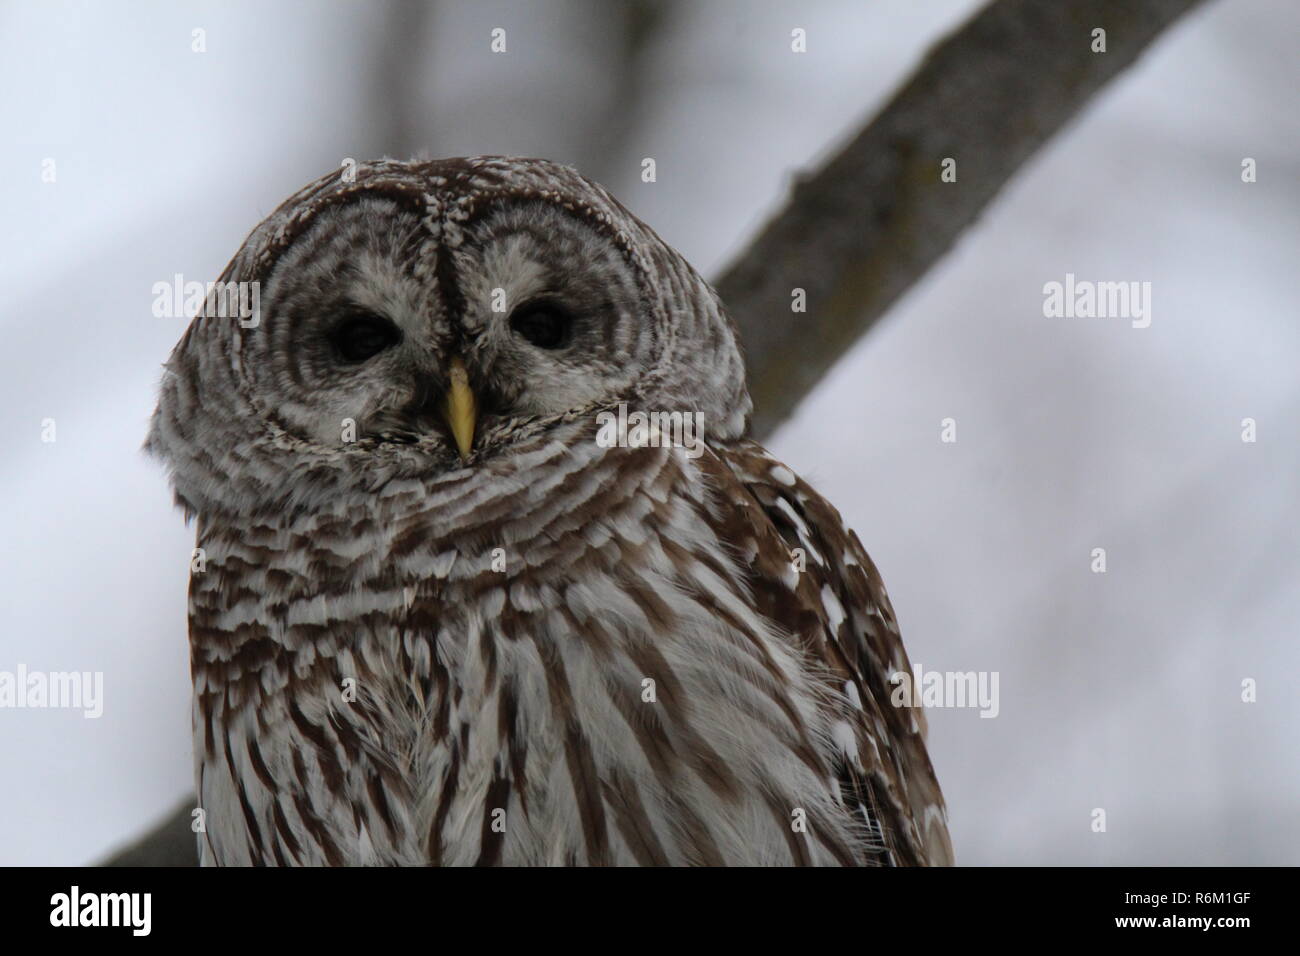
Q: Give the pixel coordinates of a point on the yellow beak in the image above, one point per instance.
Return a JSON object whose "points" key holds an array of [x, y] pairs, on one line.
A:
{"points": [[461, 407]]}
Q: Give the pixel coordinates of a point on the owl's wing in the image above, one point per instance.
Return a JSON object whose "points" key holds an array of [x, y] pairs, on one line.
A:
{"points": [[838, 609]]}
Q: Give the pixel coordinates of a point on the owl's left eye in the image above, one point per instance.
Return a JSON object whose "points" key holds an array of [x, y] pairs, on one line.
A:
{"points": [[545, 324], [363, 335]]}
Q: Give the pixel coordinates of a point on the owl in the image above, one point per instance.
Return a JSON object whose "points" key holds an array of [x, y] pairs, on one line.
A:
{"points": [[492, 575]]}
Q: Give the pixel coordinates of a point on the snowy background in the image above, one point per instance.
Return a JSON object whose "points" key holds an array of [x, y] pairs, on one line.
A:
{"points": [[1119, 690]]}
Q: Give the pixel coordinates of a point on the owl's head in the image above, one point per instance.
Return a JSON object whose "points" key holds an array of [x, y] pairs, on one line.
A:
{"points": [[416, 319]]}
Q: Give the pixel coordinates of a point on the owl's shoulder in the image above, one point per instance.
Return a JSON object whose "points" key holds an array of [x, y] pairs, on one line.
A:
{"points": [[810, 573]]}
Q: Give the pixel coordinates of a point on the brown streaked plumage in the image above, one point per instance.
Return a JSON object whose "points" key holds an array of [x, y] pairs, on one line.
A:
{"points": [[465, 631]]}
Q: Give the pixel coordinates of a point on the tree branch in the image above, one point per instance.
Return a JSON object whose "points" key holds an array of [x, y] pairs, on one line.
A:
{"points": [[856, 234], [861, 230], [169, 843]]}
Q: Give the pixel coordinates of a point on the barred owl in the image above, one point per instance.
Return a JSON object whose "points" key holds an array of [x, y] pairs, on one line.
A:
{"points": [[438, 620]]}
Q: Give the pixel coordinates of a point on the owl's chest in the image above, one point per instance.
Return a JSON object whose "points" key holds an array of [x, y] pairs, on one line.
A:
{"points": [[596, 716], [487, 696], [429, 717], [569, 688]]}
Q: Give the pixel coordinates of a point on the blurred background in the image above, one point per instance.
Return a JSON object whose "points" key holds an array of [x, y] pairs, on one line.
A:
{"points": [[1119, 690]]}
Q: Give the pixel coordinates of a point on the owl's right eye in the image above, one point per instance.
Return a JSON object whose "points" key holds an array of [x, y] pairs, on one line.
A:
{"points": [[363, 335]]}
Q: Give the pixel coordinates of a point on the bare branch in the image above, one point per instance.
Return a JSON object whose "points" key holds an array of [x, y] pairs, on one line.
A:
{"points": [[860, 231], [169, 843]]}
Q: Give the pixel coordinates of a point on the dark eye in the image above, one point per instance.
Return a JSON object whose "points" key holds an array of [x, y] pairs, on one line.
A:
{"points": [[544, 324], [364, 335]]}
